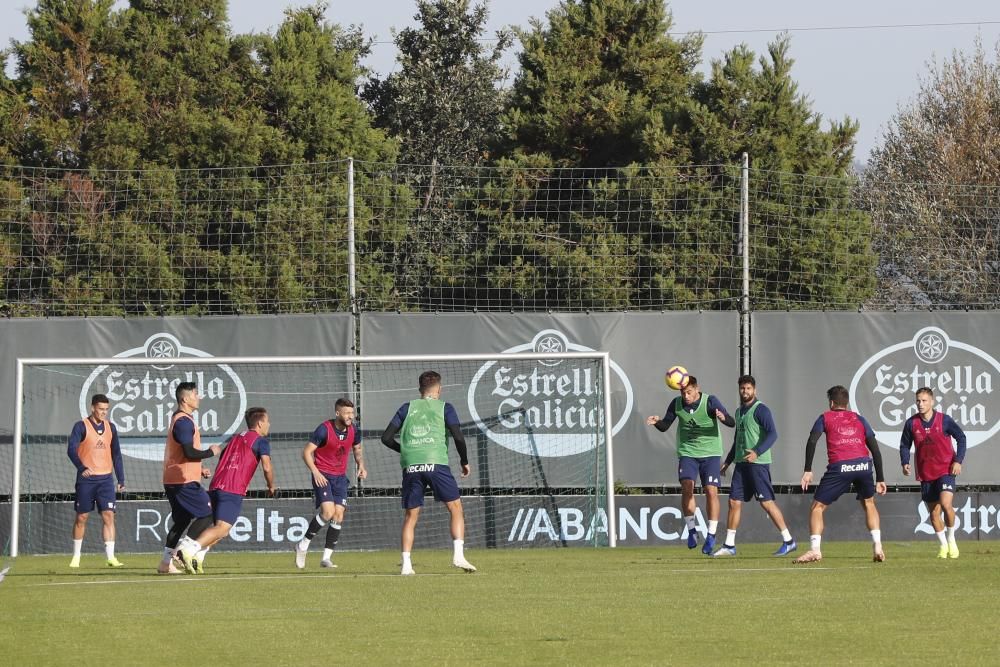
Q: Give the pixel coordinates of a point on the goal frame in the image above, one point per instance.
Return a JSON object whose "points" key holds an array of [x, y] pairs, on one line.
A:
{"points": [[603, 357]]}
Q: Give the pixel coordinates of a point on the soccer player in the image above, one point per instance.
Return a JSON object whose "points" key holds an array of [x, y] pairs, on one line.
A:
{"points": [[699, 450], [751, 450], [237, 465], [423, 426], [851, 451], [94, 450], [326, 457], [190, 506], [938, 463]]}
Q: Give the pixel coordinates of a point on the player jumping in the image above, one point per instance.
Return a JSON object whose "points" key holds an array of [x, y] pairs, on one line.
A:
{"points": [[94, 450], [755, 436], [423, 426], [938, 463], [852, 451], [326, 457], [699, 453]]}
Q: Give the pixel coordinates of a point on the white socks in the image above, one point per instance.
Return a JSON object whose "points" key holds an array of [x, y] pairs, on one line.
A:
{"points": [[730, 539], [942, 539], [459, 549], [712, 527], [786, 536], [951, 534], [877, 538], [689, 520], [327, 554], [77, 547], [814, 542], [406, 560], [109, 550]]}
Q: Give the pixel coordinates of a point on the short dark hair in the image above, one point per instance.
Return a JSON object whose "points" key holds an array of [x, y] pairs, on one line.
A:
{"points": [[925, 390], [838, 395], [746, 379], [427, 380], [343, 403], [99, 398], [254, 416], [692, 382], [182, 389]]}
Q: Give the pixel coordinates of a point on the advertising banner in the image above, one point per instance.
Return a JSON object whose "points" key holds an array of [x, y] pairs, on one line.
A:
{"points": [[561, 397], [142, 401], [882, 359], [509, 521]]}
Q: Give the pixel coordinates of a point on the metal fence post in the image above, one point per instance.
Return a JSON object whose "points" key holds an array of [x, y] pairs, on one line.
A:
{"points": [[745, 252]]}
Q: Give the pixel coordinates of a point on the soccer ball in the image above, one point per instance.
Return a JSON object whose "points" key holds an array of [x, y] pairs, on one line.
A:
{"points": [[677, 377]]}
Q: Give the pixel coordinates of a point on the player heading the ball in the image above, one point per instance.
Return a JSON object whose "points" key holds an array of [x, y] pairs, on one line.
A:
{"points": [[699, 453], [94, 450], [938, 463], [326, 458], [237, 465], [851, 452], [423, 426]]}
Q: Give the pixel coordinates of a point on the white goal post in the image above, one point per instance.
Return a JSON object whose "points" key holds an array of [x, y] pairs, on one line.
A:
{"points": [[541, 425]]}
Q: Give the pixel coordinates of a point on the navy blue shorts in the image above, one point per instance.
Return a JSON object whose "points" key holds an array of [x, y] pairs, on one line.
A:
{"points": [[188, 501], [707, 468], [844, 475], [91, 492], [751, 480], [419, 478], [225, 506], [930, 492], [334, 492]]}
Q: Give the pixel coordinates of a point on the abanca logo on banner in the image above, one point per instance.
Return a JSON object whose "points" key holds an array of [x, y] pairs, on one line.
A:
{"points": [[544, 408], [142, 397], [960, 375]]}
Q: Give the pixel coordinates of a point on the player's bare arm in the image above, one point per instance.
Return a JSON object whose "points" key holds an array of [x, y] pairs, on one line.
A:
{"points": [[359, 461], [309, 456]]}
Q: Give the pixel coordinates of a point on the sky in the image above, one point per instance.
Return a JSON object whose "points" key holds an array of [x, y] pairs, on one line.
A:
{"points": [[864, 73]]}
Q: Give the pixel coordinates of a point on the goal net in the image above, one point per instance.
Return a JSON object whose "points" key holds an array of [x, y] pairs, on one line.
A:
{"points": [[537, 428]]}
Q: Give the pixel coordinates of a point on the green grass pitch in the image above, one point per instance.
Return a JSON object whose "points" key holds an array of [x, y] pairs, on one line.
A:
{"points": [[630, 606]]}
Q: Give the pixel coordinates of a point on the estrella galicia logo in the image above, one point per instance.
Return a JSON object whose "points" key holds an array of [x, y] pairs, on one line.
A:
{"points": [[961, 376], [142, 397], [546, 408]]}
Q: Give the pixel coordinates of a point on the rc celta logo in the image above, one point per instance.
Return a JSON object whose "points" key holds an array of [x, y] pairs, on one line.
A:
{"points": [[142, 397], [960, 375], [545, 408]]}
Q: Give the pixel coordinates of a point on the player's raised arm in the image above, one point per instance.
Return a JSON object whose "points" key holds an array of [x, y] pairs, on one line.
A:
{"points": [[663, 423], [718, 410]]}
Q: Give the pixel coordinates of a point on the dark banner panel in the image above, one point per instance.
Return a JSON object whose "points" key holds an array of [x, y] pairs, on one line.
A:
{"points": [[141, 404], [510, 521], [882, 358], [642, 346]]}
